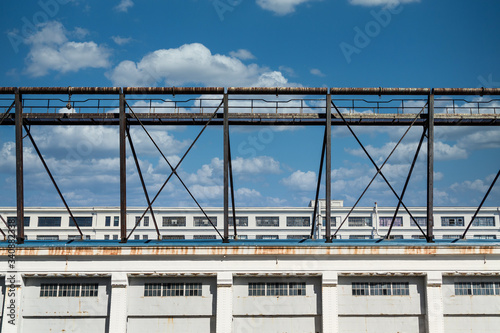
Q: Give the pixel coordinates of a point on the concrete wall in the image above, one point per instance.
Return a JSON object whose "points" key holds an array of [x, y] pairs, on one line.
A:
{"points": [[470, 313], [72, 314], [291, 313], [382, 313], [171, 313]]}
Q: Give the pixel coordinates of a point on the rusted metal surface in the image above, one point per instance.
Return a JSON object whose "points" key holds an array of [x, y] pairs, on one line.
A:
{"points": [[449, 250], [380, 91], [173, 90], [70, 90], [276, 91], [7, 90], [466, 91]]}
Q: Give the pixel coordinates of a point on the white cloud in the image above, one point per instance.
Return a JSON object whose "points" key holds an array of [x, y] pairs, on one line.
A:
{"points": [[303, 181], [248, 193], [259, 164], [51, 50], [242, 54], [124, 5], [380, 2], [121, 40], [193, 64], [317, 72], [280, 7]]}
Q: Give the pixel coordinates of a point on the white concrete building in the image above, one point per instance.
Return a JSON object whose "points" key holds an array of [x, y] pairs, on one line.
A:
{"points": [[251, 285]]}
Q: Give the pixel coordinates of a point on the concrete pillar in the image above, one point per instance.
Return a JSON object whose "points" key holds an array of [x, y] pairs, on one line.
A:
{"points": [[224, 316], [329, 302], [118, 308], [434, 300], [11, 318]]}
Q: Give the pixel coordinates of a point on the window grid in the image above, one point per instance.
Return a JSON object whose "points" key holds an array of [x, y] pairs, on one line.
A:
{"points": [[54, 221], [421, 220], [452, 221], [174, 221], [297, 288], [484, 221], [497, 288], [267, 221], [298, 221], [333, 221], [152, 289], [146, 221], [83, 221], [89, 289], [386, 221], [463, 288], [483, 288], [193, 289], [380, 288], [360, 289], [69, 290], [277, 289], [116, 221], [400, 288], [204, 237], [256, 289], [202, 221], [356, 221], [173, 289], [48, 290], [13, 220], [107, 223], [241, 221]]}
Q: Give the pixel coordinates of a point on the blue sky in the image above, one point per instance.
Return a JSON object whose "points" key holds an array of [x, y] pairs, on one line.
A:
{"points": [[343, 43]]}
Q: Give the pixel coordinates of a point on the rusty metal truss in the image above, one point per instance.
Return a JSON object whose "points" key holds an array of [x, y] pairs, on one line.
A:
{"points": [[216, 106]]}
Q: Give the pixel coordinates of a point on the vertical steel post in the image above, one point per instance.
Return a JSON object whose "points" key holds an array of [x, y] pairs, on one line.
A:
{"points": [[430, 169], [19, 168], [226, 170], [123, 171], [328, 167]]}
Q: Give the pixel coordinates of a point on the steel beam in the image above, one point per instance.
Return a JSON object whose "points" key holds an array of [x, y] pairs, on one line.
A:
{"points": [[430, 169], [318, 185], [226, 170], [231, 182], [328, 168], [123, 171], [19, 168]]}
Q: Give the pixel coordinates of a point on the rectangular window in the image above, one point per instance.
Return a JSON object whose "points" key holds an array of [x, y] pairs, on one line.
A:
{"points": [[400, 288], [297, 289], [356, 221], [89, 289], [277, 289], [451, 236], [267, 237], [193, 289], [421, 220], [256, 289], [333, 221], [48, 290], [452, 221], [173, 237], [146, 221], [497, 288], [267, 221], [73, 237], [202, 221], [47, 237], [485, 236], [241, 221], [204, 237], [360, 289], [242, 236], [174, 221], [298, 221], [463, 288], [396, 237], [297, 236], [380, 288], [13, 220], [106, 237], [417, 237], [136, 237], [484, 221], [116, 221], [152, 289], [145, 237], [360, 237], [69, 290], [386, 221], [49, 221], [108, 221], [87, 237], [115, 237], [137, 219], [83, 221], [483, 288], [173, 289]]}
